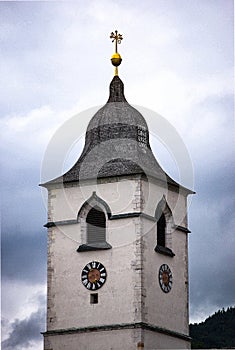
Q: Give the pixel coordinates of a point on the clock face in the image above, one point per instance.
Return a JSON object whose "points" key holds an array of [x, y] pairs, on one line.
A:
{"points": [[165, 278], [93, 275]]}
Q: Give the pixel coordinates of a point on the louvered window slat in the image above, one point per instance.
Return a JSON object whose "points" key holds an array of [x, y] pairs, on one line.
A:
{"points": [[96, 224]]}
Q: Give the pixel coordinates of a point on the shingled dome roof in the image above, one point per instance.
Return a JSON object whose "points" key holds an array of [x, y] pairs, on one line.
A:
{"points": [[116, 144], [117, 110]]}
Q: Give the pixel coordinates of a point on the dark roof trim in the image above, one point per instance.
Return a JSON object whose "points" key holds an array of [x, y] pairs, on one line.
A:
{"points": [[94, 246], [125, 216], [60, 223], [164, 251], [183, 229], [172, 185]]}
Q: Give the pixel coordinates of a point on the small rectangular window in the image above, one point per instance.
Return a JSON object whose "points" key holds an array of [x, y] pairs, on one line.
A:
{"points": [[94, 298], [142, 136]]}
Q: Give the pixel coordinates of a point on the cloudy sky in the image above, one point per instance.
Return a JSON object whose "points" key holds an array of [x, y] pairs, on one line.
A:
{"points": [[54, 63]]}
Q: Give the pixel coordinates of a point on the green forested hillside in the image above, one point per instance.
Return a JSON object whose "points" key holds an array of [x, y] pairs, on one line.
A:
{"points": [[217, 331]]}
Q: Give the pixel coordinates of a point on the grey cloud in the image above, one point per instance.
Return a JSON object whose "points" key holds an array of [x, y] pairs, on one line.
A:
{"points": [[22, 207], [26, 331], [215, 183], [24, 256], [34, 59], [212, 259], [23, 212]]}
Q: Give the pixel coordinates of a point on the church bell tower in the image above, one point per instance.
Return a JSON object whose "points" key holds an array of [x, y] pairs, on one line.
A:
{"points": [[117, 240]]}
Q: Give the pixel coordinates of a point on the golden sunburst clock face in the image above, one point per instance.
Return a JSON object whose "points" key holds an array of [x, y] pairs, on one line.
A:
{"points": [[165, 278], [93, 275]]}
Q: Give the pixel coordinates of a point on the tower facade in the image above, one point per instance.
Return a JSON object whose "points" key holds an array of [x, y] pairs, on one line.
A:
{"points": [[117, 242]]}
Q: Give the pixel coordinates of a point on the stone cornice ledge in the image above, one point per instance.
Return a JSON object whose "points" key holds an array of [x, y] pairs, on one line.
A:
{"points": [[114, 217], [111, 217], [142, 325]]}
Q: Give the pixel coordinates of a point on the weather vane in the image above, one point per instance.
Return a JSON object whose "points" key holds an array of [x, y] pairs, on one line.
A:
{"points": [[116, 57]]}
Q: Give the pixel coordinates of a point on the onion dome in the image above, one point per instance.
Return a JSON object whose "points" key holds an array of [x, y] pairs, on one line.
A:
{"points": [[117, 140], [116, 143]]}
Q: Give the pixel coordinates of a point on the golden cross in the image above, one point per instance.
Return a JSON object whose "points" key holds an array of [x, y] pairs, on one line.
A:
{"points": [[117, 38]]}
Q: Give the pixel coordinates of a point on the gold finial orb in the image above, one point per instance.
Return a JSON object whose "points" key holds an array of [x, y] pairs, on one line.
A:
{"points": [[116, 57]]}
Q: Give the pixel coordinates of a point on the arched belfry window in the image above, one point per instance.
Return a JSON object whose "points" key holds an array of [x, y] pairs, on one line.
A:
{"points": [[92, 219], [161, 231], [96, 225], [164, 228]]}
